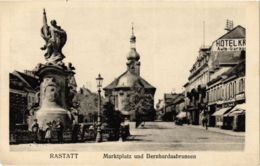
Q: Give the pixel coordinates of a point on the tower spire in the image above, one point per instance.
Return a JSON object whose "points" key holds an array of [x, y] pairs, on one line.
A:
{"points": [[132, 29], [132, 38], [133, 63]]}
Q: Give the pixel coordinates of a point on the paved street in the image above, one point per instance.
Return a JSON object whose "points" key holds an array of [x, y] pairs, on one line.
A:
{"points": [[155, 136]]}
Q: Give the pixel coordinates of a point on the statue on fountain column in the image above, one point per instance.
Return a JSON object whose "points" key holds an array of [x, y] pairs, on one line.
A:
{"points": [[55, 38]]}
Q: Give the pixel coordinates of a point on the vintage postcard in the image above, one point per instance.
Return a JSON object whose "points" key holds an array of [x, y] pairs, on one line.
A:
{"points": [[129, 83]]}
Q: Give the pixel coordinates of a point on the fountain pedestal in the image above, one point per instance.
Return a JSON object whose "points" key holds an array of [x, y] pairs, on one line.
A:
{"points": [[53, 95]]}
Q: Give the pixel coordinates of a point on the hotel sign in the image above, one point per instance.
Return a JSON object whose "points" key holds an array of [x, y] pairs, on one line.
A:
{"points": [[229, 45]]}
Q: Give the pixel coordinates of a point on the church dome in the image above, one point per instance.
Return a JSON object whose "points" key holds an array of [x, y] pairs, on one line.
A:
{"points": [[133, 55]]}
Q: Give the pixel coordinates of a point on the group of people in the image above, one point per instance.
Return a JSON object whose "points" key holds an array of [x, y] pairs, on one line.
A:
{"points": [[47, 133]]}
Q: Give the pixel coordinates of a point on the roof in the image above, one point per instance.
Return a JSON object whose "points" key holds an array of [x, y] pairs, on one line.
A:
{"points": [[133, 54], [85, 91], [29, 81], [170, 95], [227, 57], [179, 99], [128, 80], [236, 33], [239, 69]]}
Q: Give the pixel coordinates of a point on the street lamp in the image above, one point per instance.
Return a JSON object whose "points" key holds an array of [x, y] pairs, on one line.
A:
{"points": [[99, 80]]}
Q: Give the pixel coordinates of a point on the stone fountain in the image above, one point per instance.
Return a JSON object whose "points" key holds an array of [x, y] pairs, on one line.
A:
{"points": [[58, 84]]}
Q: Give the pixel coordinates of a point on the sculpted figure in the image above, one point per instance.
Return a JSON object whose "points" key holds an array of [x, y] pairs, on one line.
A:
{"points": [[55, 38]]}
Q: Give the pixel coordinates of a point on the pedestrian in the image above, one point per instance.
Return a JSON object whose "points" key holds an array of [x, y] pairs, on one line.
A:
{"points": [[35, 129], [75, 131], [206, 121], [48, 133], [127, 126], [203, 120], [60, 128]]}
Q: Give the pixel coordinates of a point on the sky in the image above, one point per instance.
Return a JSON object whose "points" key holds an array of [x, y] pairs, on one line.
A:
{"points": [[169, 35]]}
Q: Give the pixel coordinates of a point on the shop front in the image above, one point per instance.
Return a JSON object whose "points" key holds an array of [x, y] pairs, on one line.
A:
{"points": [[235, 118], [219, 120]]}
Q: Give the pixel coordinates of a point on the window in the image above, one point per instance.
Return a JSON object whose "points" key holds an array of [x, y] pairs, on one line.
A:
{"points": [[217, 93], [210, 95], [223, 92], [207, 96], [116, 101], [226, 91], [234, 89], [214, 94], [241, 86], [230, 90]]}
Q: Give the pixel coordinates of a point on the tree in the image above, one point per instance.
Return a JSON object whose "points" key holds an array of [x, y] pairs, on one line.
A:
{"points": [[111, 117], [140, 104]]}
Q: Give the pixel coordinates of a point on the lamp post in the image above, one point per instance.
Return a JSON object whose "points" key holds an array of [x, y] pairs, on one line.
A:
{"points": [[99, 80]]}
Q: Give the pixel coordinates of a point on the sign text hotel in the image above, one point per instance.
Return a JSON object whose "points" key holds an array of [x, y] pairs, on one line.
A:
{"points": [[230, 44]]}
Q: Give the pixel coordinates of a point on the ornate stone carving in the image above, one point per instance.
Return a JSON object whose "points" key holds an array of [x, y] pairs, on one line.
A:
{"points": [[55, 38], [50, 91]]}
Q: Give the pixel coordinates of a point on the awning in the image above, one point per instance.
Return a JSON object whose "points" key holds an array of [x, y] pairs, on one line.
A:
{"points": [[222, 111], [125, 112], [236, 112], [240, 106], [181, 115], [238, 109]]}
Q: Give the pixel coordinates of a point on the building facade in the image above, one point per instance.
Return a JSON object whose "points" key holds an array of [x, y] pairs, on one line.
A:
{"points": [[209, 86], [195, 88], [227, 74], [22, 96], [225, 93]]}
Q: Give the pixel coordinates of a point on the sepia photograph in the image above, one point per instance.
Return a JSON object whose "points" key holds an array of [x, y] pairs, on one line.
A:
{"points": [[112, 78]]}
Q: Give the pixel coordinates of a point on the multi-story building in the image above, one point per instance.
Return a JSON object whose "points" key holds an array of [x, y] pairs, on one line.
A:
{"points": [[195, 88], [169, 107], [204, 88], [226, 92], [23, 89], [226, 53]]}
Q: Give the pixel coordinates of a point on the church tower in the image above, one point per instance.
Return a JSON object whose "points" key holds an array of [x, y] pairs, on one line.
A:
{"points": [[133, 63]]}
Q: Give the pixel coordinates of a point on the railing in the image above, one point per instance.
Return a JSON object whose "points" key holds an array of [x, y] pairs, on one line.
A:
{"points": [[81, 135]]}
